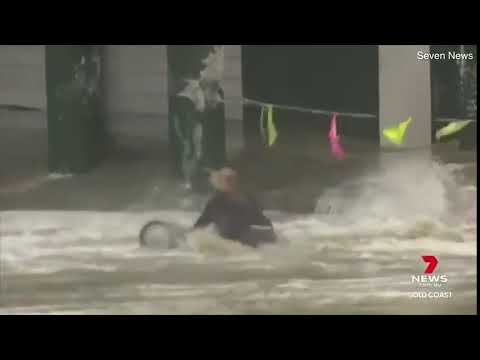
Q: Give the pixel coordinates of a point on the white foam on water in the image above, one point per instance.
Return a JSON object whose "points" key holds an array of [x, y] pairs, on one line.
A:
{"points": [[57, 176], [360, 258]]}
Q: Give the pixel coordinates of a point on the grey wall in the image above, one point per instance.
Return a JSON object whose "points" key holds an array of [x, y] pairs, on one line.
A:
{"points": [[22, 75], [136, 89], [405, 90], [136, 84], [22, 83], [232, 82], [136, 78], [137, 97], [232, 85]]}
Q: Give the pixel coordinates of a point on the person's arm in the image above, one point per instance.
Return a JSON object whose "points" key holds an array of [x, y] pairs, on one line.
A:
{"points": [[205, 218], [261, 221], [258, 218]]}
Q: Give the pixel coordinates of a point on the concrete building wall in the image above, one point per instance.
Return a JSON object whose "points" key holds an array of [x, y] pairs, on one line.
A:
{"points": [[232, 84], [22, 75], [136, 83], [22, 83], [136, 79], [137, 97]]}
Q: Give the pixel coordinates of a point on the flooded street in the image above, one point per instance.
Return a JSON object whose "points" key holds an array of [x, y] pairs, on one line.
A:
{"points": [[356, 255], [356, 208]]}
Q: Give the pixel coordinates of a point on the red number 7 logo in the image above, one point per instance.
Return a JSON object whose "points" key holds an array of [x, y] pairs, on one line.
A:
{"points": [[432, 263]]}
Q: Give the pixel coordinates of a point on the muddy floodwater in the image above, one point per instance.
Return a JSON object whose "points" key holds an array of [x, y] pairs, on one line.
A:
{"points": [[354, 253]]}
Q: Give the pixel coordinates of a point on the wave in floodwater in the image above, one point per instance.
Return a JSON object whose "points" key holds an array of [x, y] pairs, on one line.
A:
{"points": [[357, 258]]}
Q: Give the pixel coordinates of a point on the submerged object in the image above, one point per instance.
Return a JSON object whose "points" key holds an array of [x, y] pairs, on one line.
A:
{"points": [[452, 128], [396, 134], [161, 235], [334, 138]]}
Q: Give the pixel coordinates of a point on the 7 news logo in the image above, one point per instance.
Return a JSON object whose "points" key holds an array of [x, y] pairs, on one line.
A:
{"points": [[428, 279]]}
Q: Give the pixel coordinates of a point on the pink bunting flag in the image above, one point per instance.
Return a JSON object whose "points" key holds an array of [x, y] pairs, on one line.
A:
{"points": [[334, 138]]}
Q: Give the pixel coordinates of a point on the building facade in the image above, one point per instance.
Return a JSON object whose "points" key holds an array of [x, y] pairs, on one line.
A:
{"points": [[389, 82]]}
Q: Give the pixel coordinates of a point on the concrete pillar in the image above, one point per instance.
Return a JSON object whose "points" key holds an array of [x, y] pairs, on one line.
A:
{"points": [[405, 90], [233, 88]]}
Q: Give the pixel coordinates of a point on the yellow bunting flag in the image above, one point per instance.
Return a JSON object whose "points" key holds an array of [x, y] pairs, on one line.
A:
{"points": [[452, 128], [271, 134], [396, 134]]}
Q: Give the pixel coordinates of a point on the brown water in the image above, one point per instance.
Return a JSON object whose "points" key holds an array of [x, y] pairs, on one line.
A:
{"points": [[355, 255]]}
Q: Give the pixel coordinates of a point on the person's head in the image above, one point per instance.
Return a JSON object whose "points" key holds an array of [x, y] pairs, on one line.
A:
{"points": [[224, 180]]}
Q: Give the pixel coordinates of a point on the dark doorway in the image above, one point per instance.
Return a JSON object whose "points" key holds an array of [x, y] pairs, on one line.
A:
{"points": [[454, 91]]}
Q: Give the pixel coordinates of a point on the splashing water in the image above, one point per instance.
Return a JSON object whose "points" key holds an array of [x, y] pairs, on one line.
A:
{"points": [[402, 188], [356, 260]]}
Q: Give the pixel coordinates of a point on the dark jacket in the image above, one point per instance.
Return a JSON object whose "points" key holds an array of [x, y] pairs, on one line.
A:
{"points": [[237, 220]]}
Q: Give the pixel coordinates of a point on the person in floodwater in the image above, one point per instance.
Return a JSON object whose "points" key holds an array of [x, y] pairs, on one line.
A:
{"points": [[235, 215]]}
